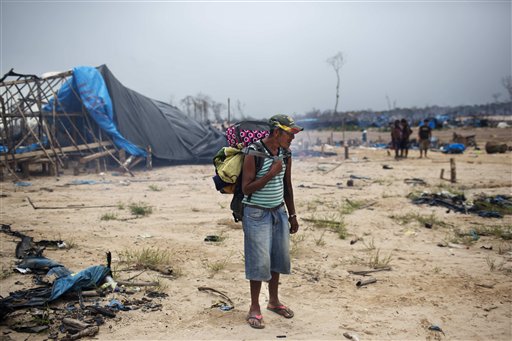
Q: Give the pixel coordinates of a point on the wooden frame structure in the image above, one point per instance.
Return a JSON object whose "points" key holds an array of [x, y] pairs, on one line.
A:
{"points": [[58, 138]]}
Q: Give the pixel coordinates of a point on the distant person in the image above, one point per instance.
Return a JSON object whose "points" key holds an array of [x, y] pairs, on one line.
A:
{"points": [[424, 136], [396, 137], [406, 133], [364, 136]]}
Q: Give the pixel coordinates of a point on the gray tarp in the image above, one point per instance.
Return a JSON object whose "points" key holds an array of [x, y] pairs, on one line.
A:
{"points": [[172, 135]]}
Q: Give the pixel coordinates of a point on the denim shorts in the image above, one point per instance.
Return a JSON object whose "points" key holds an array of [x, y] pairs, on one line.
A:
{"points": [[266, 242]]}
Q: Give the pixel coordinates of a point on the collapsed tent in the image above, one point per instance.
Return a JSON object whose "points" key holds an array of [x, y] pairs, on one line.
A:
{"points": [[71, 118], [141, 121]]}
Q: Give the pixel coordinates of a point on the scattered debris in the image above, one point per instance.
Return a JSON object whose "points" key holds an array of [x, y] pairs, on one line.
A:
{"points": [[415, 181], [351, 336], [224, 305], [305, 186], [386, 167], [487, 207], [212, 238], [362, 283], [468, 140], [137, 284], [359, 177], [453, 148], [493, 147], [27, 247], [366, 272], [58, 284], [87, 182], [452, 245], [436, 329], [335, 167], [65, 207], [353, 241], [145, 235]]}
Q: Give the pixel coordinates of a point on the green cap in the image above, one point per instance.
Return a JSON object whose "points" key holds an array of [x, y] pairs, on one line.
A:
{"points": [[286, 123]]}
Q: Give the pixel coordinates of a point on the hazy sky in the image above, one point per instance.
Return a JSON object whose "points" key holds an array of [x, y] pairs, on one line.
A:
{"points": [[271, 56]]}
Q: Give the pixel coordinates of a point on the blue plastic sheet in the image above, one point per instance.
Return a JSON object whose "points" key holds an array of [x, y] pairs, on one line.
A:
{"points": [[454, 148], [85, 279], [27, 148], [86, 87], [36, 263]]}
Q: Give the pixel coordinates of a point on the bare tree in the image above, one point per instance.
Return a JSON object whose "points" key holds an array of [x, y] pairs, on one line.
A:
{"points": [[337, 61], [186, 104], [391, 107], [216, 108], [496, 96], [507, 83], [240, 106], [204, 103]]}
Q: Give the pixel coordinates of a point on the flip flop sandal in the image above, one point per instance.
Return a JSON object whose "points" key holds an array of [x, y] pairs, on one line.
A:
{"points": [[255, 321], [282, 310]]}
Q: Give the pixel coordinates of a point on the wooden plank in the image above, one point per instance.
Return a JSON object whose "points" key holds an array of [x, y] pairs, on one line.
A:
{"points": [[37, 153], [95, 156]]}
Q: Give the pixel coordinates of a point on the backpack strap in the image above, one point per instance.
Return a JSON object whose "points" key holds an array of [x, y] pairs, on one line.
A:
{"points": [[258, 153]]}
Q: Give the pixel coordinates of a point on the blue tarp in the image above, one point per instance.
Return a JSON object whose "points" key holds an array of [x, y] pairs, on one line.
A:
{"points": [[85, 279], [88, 87], [454, 148], [24, 149]]}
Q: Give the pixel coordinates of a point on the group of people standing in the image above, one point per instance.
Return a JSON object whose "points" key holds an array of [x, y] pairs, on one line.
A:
{"points": [[400, 137]]}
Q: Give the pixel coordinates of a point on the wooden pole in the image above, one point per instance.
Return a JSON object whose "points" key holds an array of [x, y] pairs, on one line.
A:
{"points": [[149, 160], [229, 112], [346, 152], [122, 155], [453, 171]]}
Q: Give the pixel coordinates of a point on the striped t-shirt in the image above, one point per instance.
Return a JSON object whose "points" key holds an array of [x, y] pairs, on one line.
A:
{"points": [[272, 194]]}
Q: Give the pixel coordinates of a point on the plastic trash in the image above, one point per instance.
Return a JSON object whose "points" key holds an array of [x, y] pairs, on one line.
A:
{"points": [[212, 238], [116, 304], [474, 235], [109, 282], [436, 328]]}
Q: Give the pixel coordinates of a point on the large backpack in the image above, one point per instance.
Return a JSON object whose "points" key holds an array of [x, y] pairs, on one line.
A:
{"points": [[229, 160], [246, 132]]}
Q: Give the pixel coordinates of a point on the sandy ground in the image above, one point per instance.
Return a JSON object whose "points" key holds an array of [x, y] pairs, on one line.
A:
{"points": [[463, 288]]}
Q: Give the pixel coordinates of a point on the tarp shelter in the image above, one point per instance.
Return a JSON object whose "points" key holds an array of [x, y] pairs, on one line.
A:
{"points": [[87, 114], [142, 121]]}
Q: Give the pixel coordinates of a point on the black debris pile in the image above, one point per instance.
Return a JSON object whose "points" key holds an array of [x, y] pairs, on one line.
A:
{"points": [[497, 205], [453, 202], [65, 304], [27, 247], [485, 206]]}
